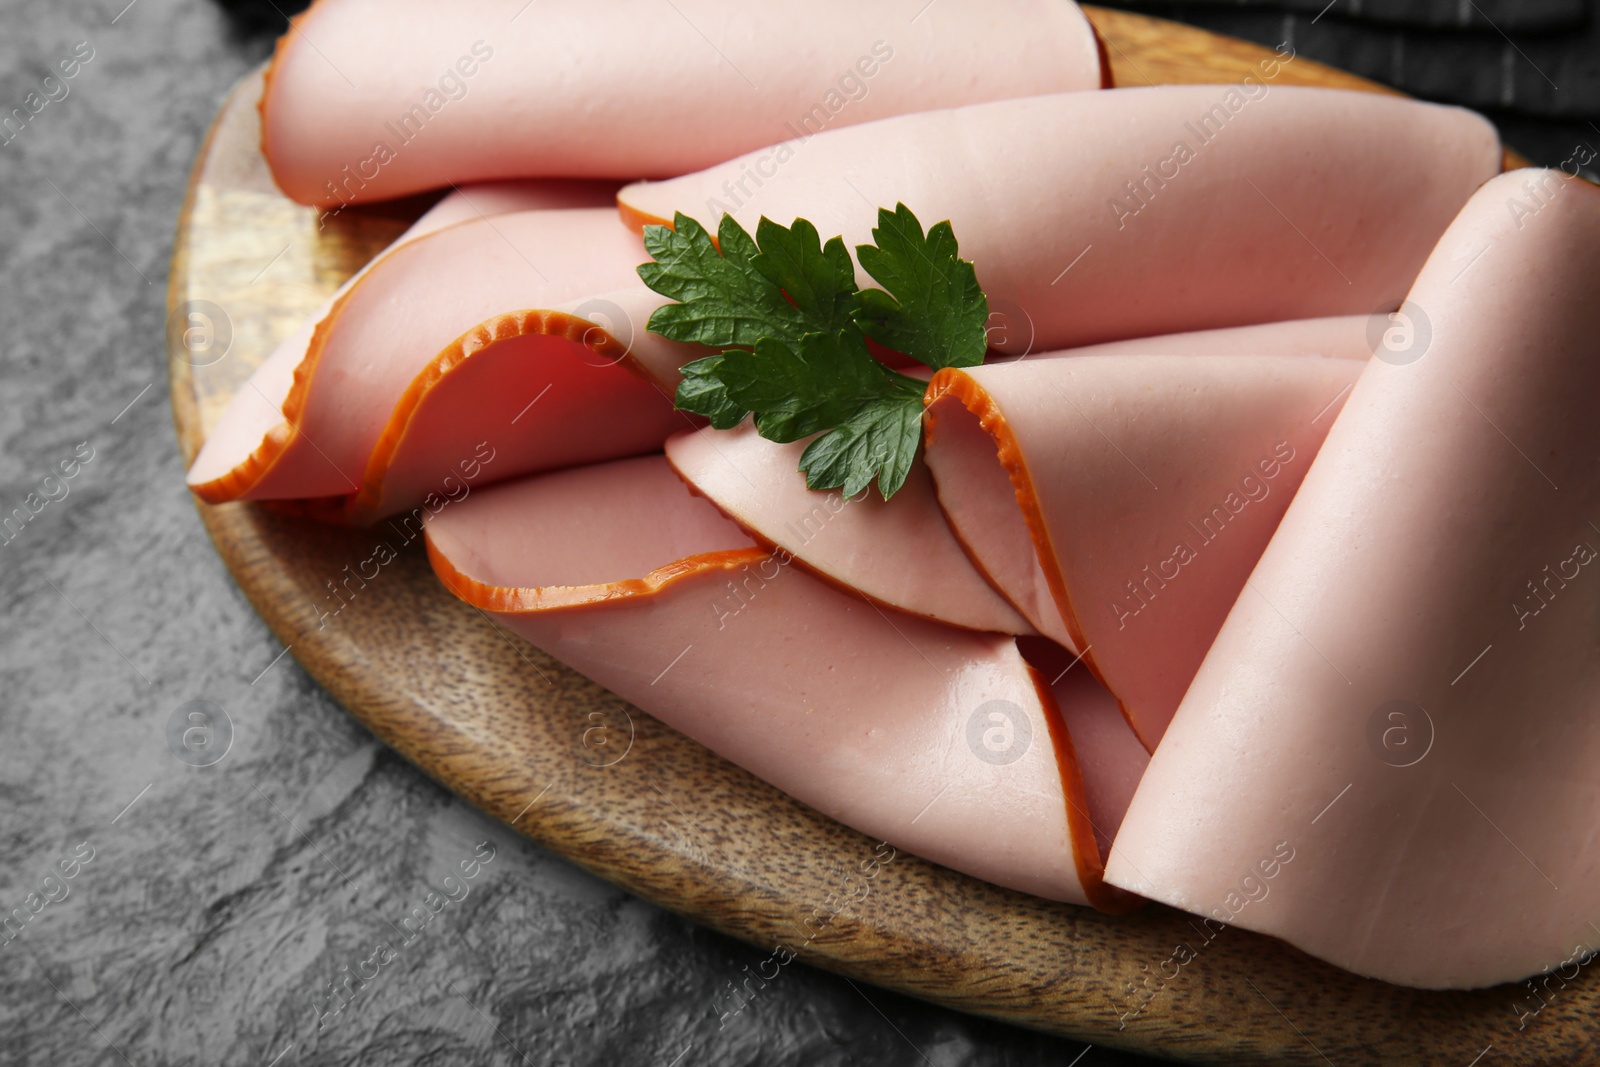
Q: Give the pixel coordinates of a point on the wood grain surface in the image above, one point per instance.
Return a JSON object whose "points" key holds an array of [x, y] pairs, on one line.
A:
{"points": [[552, 754]]}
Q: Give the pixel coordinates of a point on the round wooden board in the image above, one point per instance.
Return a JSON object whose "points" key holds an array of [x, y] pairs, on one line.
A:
{"points": [[563, 761]]}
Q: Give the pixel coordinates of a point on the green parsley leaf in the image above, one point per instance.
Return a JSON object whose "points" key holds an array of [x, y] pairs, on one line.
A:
{"points": [[737, 296], [723, 299], [819, 279], [934, 310], [815, 386], [703, 393], [785, 308], [880, 440]]}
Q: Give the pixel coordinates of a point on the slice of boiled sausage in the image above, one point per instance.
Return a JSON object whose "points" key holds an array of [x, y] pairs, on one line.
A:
{"points": [[1120, 501], [370, 99], [941, 741], [1099, 216], [1406, 697], [523, 333]]}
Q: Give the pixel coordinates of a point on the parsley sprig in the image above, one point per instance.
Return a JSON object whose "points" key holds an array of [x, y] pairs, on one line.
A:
{"points": [[793, 326]]}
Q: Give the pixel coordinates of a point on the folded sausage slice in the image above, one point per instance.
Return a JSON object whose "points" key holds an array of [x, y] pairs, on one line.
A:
{"points": [[898, 552], [1407, 696], [1099, 216], [903, 553], [256, 412], [369, 99], [1119, 502], [941, 741], [523, 332]]}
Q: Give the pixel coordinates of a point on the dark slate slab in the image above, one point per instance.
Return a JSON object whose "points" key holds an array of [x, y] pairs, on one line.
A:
{"points": [[1553, 76], [1508, 15]]}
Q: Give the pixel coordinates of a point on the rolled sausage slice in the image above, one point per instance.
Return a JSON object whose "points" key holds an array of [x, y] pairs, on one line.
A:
{"points": [[523, 332], [1405, 699], [1098, 216], [370, 99], [944, 742], [1335, 337], [1119, 502]]}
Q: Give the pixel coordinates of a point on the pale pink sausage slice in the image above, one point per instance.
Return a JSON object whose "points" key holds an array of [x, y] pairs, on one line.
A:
{"points": [[898, 552], [257, 410], [941, 741], [540, 390], [1307, 203], [1406, 696], [1336, 337], [488, 199], [1110, 758], [1120, 501], [903, 553], [480, 313], [368, 99]]}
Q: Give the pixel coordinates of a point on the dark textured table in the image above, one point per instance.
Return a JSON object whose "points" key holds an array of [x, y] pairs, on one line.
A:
{"points": [[204, 911], [1531, 65]]}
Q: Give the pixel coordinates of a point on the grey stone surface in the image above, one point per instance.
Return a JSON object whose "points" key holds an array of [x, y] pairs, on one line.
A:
{"points": [[208, 908]]}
